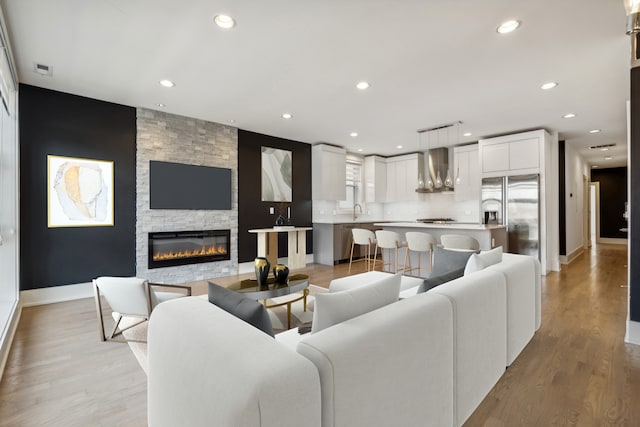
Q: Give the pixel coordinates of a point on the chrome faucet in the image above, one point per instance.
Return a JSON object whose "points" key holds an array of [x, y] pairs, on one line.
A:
{"points": [[355, 215]]}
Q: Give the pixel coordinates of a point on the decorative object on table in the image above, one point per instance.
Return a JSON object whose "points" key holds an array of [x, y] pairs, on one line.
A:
{"points": [[283, 220], [80, 192], [262, 267], [277, 175], [281, 273]]}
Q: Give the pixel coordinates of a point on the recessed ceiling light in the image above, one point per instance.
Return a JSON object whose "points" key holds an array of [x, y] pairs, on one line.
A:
{"points": [[608, 157], [362, 85], [360, 150], [353, 134], [508, 26], [167, 83], [161, 105], [594, 131], [231, 121], [595, 166], [224, 21], [568, 116], [604, 149], [467, 134], [399, 147], [286, 116], [549, 85]]}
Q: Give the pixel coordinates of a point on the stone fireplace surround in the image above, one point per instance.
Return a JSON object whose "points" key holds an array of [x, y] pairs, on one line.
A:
{"points": [[170, 138]]}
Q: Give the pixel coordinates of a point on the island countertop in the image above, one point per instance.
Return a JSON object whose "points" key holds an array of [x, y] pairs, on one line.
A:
{"points": [[446, 226]]}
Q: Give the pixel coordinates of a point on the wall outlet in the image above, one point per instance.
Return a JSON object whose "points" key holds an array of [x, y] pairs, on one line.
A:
{"points": [[334, 212], [467, 212], [321, 212], [272, 210], [368, 212]]}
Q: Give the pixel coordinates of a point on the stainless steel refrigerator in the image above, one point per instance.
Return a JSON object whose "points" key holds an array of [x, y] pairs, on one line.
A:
{"points": [[515, 202]]}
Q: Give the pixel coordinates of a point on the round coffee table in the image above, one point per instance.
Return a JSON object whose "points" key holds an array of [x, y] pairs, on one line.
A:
{"points": [[296, 283]]}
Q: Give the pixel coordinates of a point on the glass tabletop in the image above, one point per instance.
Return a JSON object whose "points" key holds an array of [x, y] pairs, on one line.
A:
{"points": [[250, 288]]}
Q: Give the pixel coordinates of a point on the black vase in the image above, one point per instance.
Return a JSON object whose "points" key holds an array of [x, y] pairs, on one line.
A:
{"points": [[281, 220], [281, 273], [262, 267]]}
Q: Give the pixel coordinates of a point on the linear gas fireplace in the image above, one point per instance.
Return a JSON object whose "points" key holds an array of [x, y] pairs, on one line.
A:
{"points": [[167, 249]]}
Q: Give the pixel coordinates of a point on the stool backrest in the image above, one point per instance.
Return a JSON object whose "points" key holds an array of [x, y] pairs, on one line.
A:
{"points": [[362, 236], [388, 239], [420, 242], [459, 241]]}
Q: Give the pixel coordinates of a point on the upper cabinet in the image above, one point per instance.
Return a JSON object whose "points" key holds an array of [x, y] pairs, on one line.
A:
{"points": [[466, 170], [328, 172], [375, 179], [402, 177], [512, 154]]}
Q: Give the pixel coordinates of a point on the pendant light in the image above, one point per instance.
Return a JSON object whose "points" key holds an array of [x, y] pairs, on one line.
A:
{"points": [[420, 178], [429, 180], [458, 180], [448, 182], [438, 183]]}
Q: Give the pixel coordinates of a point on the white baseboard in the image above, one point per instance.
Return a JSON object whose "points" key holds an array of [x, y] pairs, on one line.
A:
{"points": [[568, 259], [7, 339], [56, 294], [247, 267], [613, 241], [633, 333]]}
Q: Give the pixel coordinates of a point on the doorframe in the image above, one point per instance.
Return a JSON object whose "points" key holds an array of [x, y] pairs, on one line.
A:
{"points": [[586, 213], [596, 185]]}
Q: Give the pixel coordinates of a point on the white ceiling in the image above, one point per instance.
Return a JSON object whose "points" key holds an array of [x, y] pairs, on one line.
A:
{"points": [[429, 62]]}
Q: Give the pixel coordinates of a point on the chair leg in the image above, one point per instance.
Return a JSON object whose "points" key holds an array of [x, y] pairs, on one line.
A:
{"points": [[351, 257], [375, 257], [96, 293], [406, 256]]}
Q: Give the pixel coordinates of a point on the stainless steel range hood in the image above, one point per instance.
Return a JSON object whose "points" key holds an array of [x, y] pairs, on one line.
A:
{"points": [[437, 161]]}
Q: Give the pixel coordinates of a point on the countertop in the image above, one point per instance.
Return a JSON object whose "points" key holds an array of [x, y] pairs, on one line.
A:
{"points": [[451, 226], [342, 221]]}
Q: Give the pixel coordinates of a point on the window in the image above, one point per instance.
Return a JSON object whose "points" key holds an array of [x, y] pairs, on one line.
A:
{"points": [[353, 184]]}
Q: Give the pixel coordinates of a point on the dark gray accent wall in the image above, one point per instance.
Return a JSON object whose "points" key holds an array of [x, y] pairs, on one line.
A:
{"points": [[252, 211], [57, 123], [613, 195], [634, 220]]}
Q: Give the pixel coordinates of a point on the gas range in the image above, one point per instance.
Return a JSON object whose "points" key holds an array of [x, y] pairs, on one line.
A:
{"points": [[436, 220]]}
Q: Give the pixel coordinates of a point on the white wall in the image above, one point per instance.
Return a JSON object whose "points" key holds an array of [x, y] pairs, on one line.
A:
{"points": [[575, 169]]}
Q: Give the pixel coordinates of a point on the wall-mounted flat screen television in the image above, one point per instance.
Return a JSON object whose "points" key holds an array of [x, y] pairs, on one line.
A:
{"points": [[180, 186]]}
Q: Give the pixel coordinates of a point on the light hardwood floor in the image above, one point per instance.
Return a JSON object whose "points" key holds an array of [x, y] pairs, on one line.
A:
{"points": [[576, 371]]}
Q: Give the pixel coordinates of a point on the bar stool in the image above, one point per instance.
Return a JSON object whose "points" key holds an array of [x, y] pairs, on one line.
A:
{"points": [[362, 237], [459, 241], [418, 242], [389, 240]]}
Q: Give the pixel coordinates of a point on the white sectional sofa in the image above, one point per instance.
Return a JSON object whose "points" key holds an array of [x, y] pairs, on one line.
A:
{"points": [[426, 360]]}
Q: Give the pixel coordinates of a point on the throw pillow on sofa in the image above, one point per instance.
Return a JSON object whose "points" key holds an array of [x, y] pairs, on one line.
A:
{"points": [[249, 310], [483, 260], [336, 307], [445, 261], [433, 281]]}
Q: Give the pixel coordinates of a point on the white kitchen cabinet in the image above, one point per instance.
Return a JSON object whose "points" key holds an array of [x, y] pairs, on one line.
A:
{"points": [[466, 170], [375, 179], [328, 173], [512, 154], [402, 177]]}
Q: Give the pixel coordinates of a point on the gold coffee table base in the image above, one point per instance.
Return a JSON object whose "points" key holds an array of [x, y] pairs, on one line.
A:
{"points": [[305, 292]]}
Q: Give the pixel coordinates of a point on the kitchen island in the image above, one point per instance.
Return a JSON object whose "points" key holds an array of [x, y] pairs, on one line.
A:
{"points": [[489, 236]]}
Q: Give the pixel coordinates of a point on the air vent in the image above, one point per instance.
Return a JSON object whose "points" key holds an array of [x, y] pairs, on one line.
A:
{"points": [[601, 147], [42, 69]]}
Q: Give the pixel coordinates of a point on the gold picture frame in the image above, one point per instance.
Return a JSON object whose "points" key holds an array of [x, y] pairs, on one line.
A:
{"points": [[79, 192]]}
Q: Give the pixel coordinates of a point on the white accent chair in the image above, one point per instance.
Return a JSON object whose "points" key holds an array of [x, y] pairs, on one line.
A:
{"points": [[391, 241], [129, 296], [459, 241], [363, 237], [421, 243]]}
